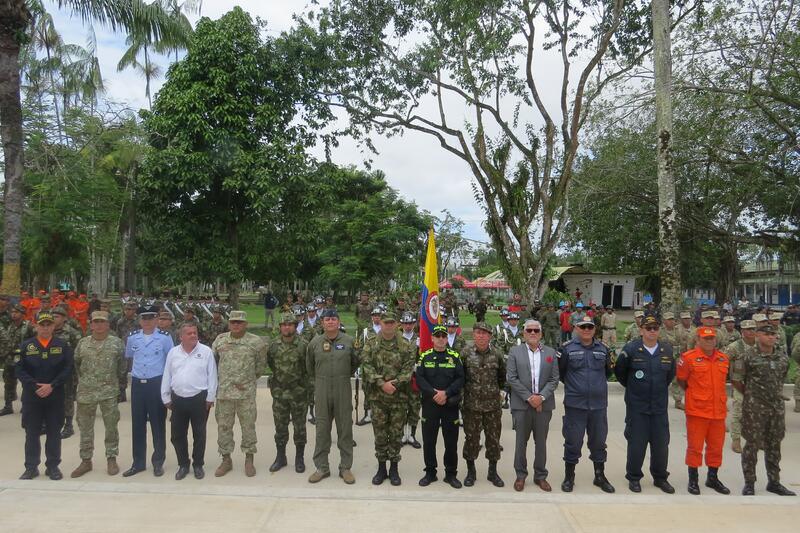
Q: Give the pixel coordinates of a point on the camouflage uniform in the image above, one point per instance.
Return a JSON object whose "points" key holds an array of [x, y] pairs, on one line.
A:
{"points": [[215, 329], [736, 352], [309, 331], [385, 360], [240, 362], [485, 374], [551, 328], [459, 344], [632, 332], [99, 366], [363, 314], [289, 387], [414, 405], [673, 337], [763, 410], [10, 339], [71, 336], [126, 326], [796, 357]]}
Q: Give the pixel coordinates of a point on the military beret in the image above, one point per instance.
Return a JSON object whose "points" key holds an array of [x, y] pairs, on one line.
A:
{"points": [[288, 318], [330, 312], [100, 315], [483, 326], [388, 317], [237, 316], [747, 324]]}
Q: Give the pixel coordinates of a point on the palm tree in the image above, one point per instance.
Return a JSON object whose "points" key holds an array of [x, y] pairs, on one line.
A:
{"points": [[139, 43], [15, 19]]}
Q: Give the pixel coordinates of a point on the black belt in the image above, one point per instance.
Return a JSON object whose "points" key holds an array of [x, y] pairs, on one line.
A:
{"points": [[143, 381]]}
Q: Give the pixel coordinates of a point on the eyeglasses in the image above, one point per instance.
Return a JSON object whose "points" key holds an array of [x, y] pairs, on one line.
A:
{"points": [[652, 328], [586, 326], [533, 330]]}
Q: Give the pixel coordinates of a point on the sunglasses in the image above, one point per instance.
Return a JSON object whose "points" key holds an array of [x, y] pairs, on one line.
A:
{"points": [[586, 326], [652, 328], [533, 330]]}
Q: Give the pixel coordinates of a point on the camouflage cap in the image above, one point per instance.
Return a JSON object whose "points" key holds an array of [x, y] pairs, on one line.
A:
{"points": [[388, 317], [686, 314], [760, 317], [330, 312], [767, 328], [60, 310], [43, 316], [100, 315], [707, 314], [668, 316], [131, 305], [483, 326], [729, 318], [237, 316], [775, 316], [638, 314], [747, 324], [288, 318]]}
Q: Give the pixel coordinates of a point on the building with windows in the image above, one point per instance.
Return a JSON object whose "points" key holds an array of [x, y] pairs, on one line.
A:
{"points": [[770, 282]]}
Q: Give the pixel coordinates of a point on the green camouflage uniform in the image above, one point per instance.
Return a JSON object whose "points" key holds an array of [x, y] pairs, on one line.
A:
{"points": [[240, 362], [215, 329], [99, 366], [289, 388], [796, 357], [71, 336], [673, 337], [459, 344], [686, 335], [309, 331], [363, 315], [485, 374], [415, 400], [551, 328], [126, 326], [381, 361], [331, 363], [763, 410], [632, 332], [10, 338], [736, 352]]}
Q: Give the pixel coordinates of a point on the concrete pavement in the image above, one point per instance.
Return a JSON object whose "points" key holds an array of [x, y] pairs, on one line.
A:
{"points": [[285, 501]]}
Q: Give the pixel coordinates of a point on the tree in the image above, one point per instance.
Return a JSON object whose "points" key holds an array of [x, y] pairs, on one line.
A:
{"points": [[450, 241], [15, 18], [483, 56], [228, 149]]}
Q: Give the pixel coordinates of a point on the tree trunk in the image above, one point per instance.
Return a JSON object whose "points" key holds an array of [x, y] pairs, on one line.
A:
{"points": [[14, 16], [233, 294], [671, 296]]}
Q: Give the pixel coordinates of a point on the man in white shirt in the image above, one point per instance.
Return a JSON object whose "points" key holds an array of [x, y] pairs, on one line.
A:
{"points": [[188, 389]]}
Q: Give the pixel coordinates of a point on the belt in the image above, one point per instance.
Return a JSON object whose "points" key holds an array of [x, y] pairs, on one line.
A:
{"points": [[143, 381]]}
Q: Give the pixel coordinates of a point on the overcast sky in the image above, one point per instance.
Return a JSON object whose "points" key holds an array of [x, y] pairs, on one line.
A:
{"points": [[414, 163]]}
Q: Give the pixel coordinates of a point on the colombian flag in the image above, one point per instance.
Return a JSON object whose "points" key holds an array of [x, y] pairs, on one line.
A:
{"points": [[429, 311]]}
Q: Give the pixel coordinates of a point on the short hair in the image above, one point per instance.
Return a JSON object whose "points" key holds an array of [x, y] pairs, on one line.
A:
{"points": [[531, 322], [189, 325]]}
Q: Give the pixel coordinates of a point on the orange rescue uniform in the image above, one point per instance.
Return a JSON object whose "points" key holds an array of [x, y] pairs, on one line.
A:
{"points": [[706, 405]]}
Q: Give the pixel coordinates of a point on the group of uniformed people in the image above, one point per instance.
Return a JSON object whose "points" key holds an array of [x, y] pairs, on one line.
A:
{"points": [[451, 385]]}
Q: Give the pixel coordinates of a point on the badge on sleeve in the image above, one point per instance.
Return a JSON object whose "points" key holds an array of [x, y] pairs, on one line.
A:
{"points": [[639, 374], [326, 346]]}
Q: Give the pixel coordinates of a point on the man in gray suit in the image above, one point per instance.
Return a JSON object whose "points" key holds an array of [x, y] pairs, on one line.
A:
{"points": [[532, 374]]}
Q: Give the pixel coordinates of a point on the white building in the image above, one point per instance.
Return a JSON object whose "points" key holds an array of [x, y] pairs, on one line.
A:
{"points": [[617, 290]]}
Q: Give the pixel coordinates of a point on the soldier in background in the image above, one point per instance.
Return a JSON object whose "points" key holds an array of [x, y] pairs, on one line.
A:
{"points": [[632, 331], [480, 309], [165, 325], [551, 326], [241, 358], [387, 361], [17, 331], [408, 323], [671, 334], [363, 310], [289, 388], [485, 377], [608, 325], [454, 340], [736, 352], [71, 336], [126, 325], [99, 363], [759, 377], [217, 325]]}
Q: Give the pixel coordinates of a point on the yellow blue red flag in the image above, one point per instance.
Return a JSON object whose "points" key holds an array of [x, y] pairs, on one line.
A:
{"points": [[429, 310]]}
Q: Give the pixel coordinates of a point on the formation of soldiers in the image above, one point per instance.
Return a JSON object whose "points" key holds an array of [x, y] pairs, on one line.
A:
{"points": [[454, 384]]}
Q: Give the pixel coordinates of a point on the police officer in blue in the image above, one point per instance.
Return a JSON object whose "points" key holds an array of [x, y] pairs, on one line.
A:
{"points": [[584, 365], [43, 364], [148, 347], [646, 368]]}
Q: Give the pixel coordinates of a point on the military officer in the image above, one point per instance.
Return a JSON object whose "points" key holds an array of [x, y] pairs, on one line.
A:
{"points": [[646, 367], [408, 323], [485, 378], [99, 362], [608, 325], [686, 329], [671, 334], [363, 310], [43, 365], [147, 348], [632, 331], [17, 331], [729, 330], [387, 361], [454, 341], [584, 365], [331, 360], [289, 386], [312, 325], [759, 377], [216, 326], [127, 324], [551, 326], [71, 336], [736, 352], [369, 332], [440, 377], [241, 359], [165, 324]]}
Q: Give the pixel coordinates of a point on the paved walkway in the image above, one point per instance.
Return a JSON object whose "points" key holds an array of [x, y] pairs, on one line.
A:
{"points": [[286, 502]]}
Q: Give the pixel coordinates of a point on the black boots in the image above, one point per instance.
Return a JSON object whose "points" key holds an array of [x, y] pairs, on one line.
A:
{"points": [[412, 439], [381, 475], [492, 476], [600, 478], [68, 431], [713, 482], [394, 475], [471, 474], [299, 459], [280, 459], [775, 487], [694, 484], [7, 410], [569, 477]]}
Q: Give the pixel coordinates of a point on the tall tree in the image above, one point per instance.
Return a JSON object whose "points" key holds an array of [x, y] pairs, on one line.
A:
{"points": [[15, 18]]}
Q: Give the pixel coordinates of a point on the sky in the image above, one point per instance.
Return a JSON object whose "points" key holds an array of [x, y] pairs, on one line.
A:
{"points": [[414, 163]]}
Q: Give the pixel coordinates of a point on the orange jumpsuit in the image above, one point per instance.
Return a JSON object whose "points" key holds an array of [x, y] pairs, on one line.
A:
{"points": [[706, 405]]}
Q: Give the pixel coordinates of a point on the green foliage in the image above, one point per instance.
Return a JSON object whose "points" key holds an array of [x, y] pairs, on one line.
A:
{"points": [[554, 297]]}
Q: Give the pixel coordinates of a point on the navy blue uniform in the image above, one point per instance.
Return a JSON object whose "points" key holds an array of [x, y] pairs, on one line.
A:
{"points": [[440, 371], [585, 371], [39, 364], [646, 378]]}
